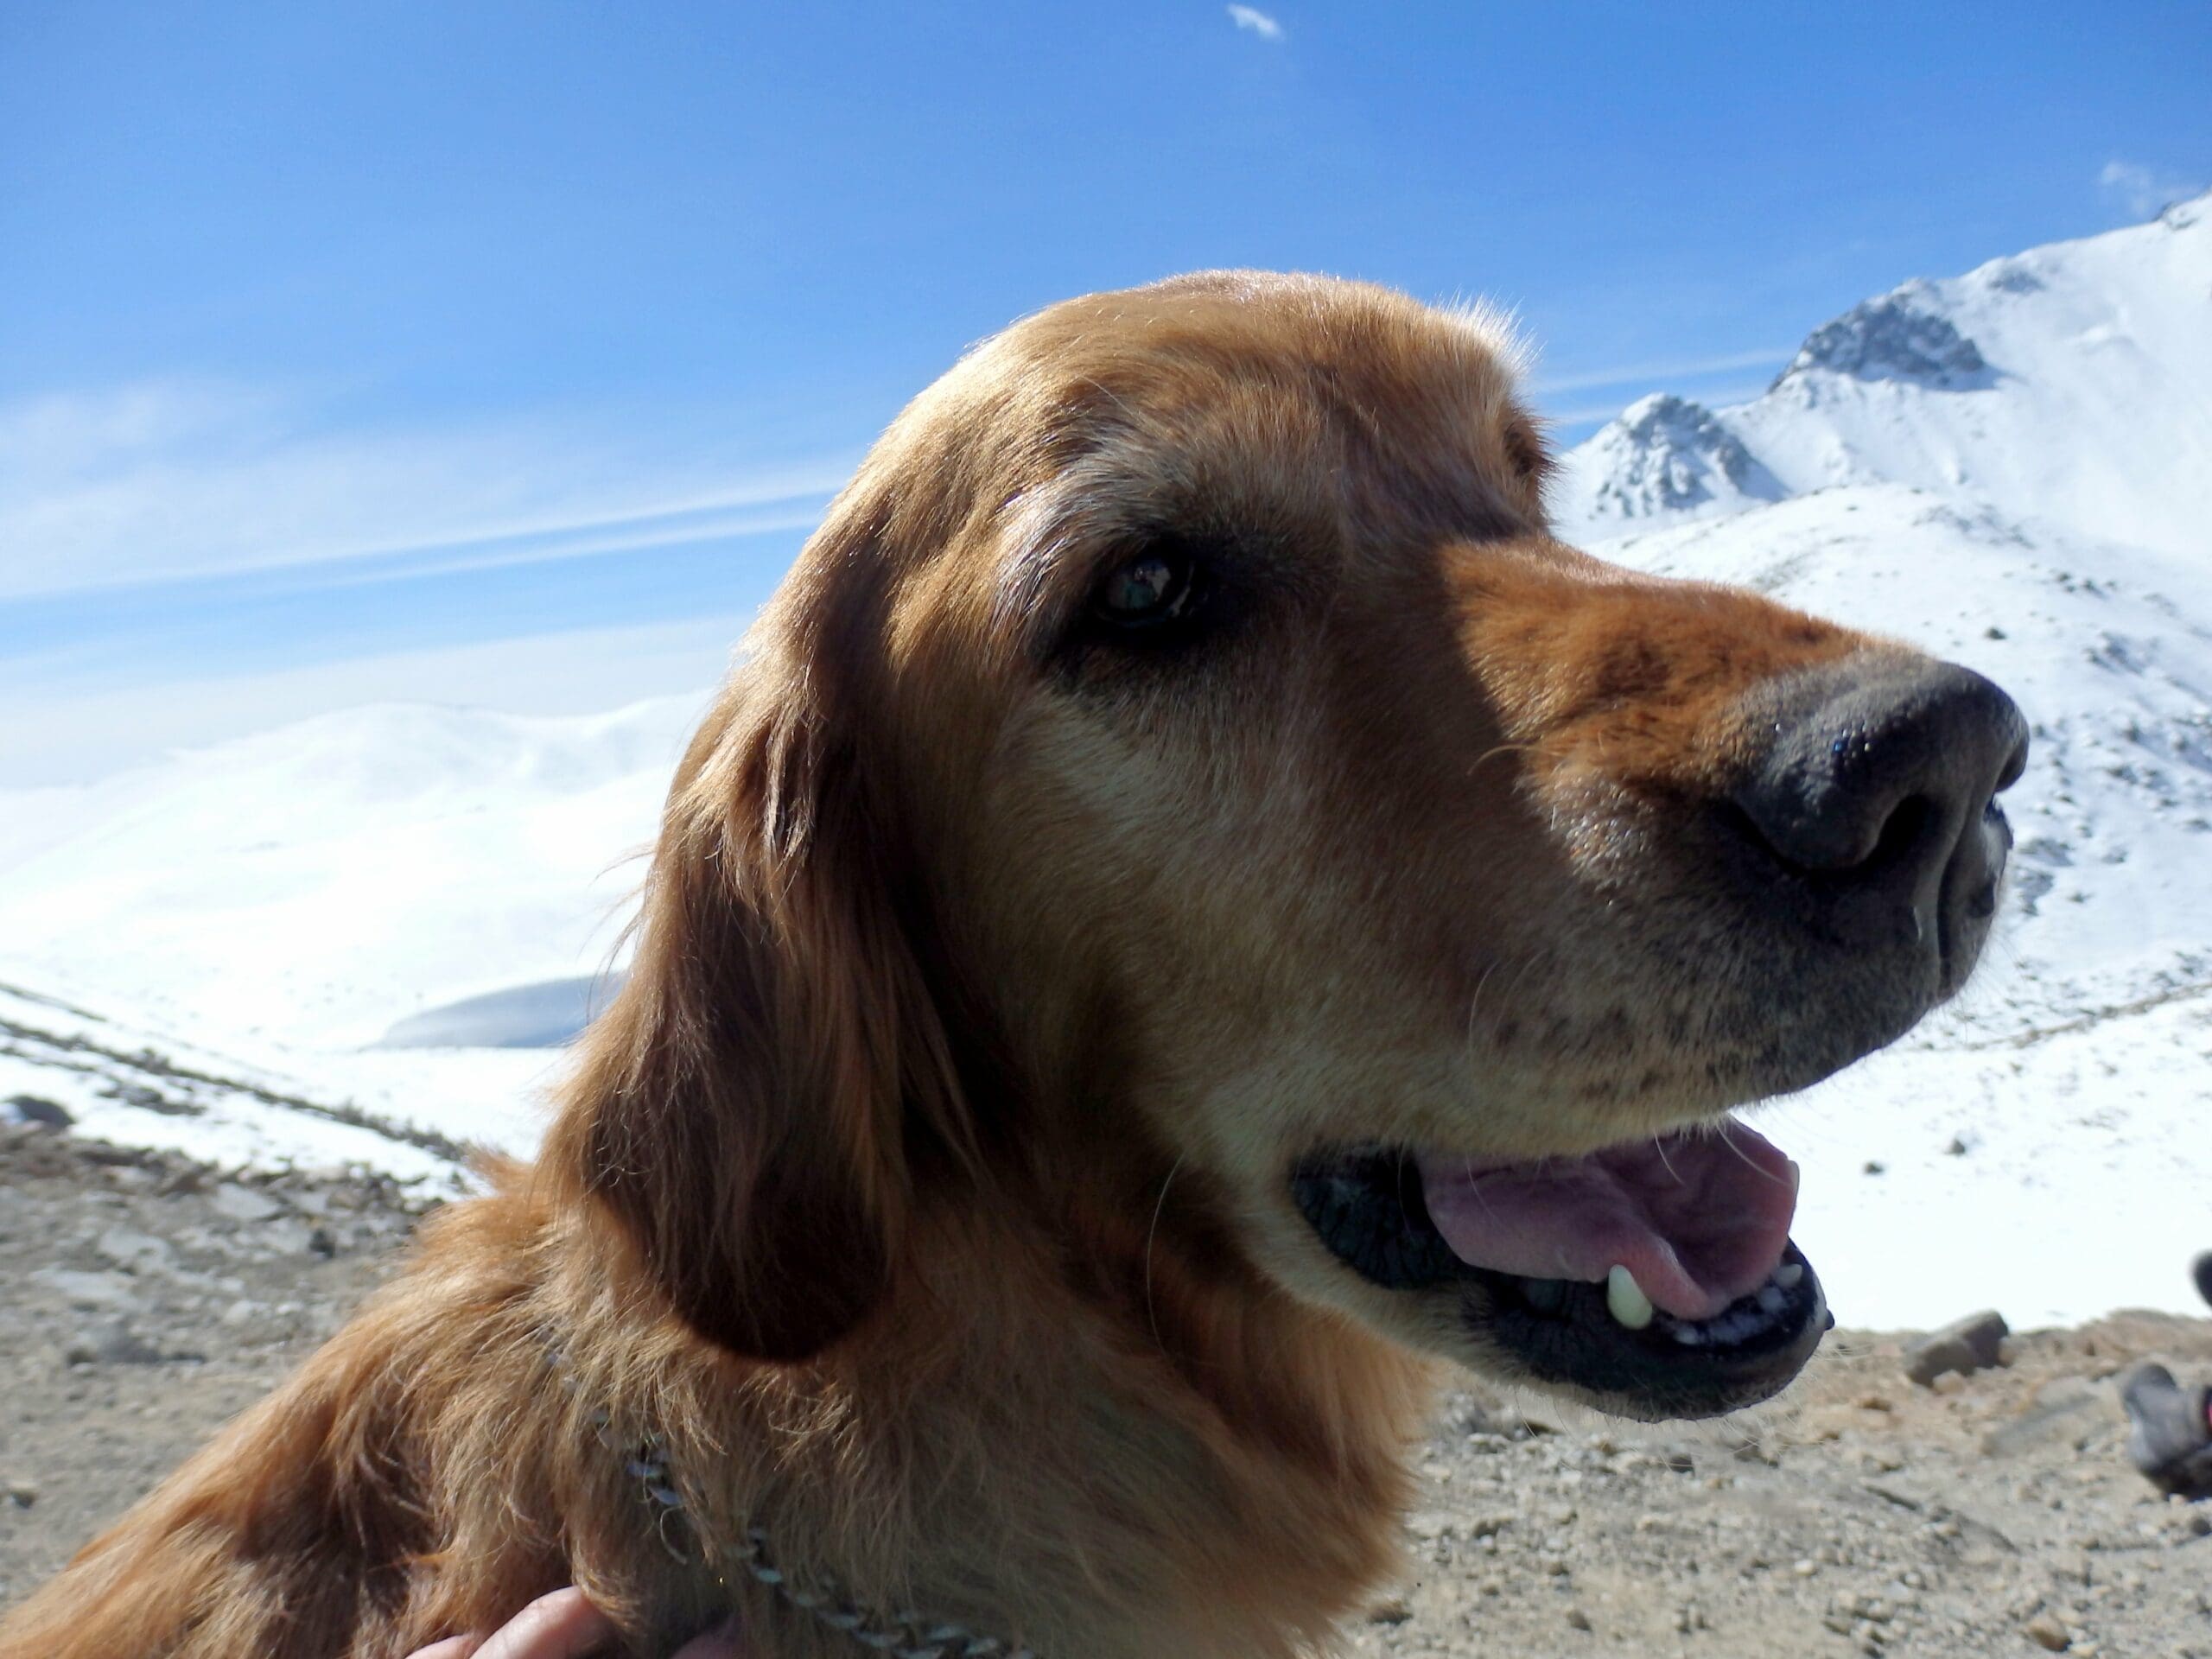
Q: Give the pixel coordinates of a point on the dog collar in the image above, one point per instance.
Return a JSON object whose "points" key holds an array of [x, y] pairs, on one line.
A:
{"points": [[902, 1635]]}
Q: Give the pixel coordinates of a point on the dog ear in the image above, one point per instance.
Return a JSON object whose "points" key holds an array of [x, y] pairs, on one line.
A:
{"points": [[742, 1109]]}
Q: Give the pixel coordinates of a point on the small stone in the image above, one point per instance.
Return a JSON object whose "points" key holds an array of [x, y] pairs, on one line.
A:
{"points": [[86, 1292], [1969, 1344], [1875, 1166], [2047, 1633], [244, 1203], [135, 1251], [1394, 1610], [21, 1493], [35, 1110], [287, 1235], [111, 1344], [1577, 1619]]}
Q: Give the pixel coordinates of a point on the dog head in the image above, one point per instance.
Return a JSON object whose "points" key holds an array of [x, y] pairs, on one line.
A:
{"points": [[1186, 720]]}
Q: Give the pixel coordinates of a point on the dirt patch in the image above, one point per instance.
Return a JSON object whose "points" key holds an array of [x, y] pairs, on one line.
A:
{"points": [[147, 1298]]}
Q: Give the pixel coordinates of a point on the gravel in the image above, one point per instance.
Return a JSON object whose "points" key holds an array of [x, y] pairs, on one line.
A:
{"points": [[147, 1298]]}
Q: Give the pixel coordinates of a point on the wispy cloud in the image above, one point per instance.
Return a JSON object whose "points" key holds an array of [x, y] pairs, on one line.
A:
{"points": [[1680, 369], [1258, 22], [168, 482], [2142, 191]]}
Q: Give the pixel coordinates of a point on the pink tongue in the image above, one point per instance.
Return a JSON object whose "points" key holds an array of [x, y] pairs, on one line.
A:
{"points": [[1700, 1217]]}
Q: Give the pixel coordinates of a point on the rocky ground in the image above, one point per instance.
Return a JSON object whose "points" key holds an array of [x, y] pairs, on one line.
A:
{"points": [[144, 1298]]}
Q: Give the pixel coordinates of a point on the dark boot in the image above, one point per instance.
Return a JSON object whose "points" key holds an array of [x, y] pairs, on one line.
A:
{"points": [[2171, 1441]]}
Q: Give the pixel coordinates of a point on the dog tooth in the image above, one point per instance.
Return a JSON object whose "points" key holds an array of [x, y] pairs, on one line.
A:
{"points": [[1773, 1298], [1625, 1301], [1788, 1274], [1690, 1336]]}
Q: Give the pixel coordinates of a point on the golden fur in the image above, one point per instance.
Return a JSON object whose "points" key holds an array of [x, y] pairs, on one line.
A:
{"points": [[922, 1191]]}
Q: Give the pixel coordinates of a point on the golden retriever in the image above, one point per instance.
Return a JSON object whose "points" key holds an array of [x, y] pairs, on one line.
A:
{"points": [[1194, 909]]}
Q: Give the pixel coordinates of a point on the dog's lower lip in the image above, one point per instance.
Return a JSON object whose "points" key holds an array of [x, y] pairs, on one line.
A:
{"points": [[1670, 1369], [1369, 1208]]}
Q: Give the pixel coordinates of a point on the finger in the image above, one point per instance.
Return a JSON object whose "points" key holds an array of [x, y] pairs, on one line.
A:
{"points": [[721, 1642], [453, 1647], [562, 1625]]}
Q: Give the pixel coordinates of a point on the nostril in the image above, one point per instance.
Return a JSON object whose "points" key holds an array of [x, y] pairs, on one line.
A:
{"points": [[1809, 830], [1902, 831]]}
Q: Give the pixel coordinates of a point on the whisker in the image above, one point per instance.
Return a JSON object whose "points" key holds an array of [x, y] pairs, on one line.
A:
{"points": [[1160, 1205], [1720, 1133]]}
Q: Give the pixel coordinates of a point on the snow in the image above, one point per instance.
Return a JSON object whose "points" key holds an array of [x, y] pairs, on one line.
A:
{"points": [[124, 1084], [293, 897], [2012, 468]]}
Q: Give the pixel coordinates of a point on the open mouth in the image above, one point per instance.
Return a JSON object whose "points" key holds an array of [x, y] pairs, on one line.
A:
{"points": [[1653, 1281]]}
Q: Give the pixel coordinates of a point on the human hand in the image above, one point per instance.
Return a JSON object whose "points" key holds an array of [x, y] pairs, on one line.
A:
{"points": [[565, 1625]]}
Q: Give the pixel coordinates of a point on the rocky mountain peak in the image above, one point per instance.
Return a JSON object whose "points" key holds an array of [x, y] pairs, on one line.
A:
{"points": [[1899, 336], [1671, 455]]}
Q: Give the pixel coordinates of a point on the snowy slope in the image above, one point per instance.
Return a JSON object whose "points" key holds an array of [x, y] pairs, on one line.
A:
{"points": [[2012, 468], [291, 897], [124, 1084]]}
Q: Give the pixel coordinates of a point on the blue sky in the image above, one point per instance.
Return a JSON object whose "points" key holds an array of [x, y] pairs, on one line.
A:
{"points": [[504, 352]]}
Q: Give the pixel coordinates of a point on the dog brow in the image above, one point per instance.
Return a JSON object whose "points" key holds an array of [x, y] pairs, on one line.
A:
{"points": [[1092, 500]]}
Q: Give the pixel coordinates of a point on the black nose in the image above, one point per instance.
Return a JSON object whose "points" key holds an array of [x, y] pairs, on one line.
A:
{"points": [[1881, 774]]}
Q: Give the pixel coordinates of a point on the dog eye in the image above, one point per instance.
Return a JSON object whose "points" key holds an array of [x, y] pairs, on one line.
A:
{"points": [[1158, 585]]}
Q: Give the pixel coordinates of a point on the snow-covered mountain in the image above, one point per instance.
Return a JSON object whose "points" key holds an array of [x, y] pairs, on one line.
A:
{"points": [[1665, 457], [2070, 385], [2012, 468]]}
